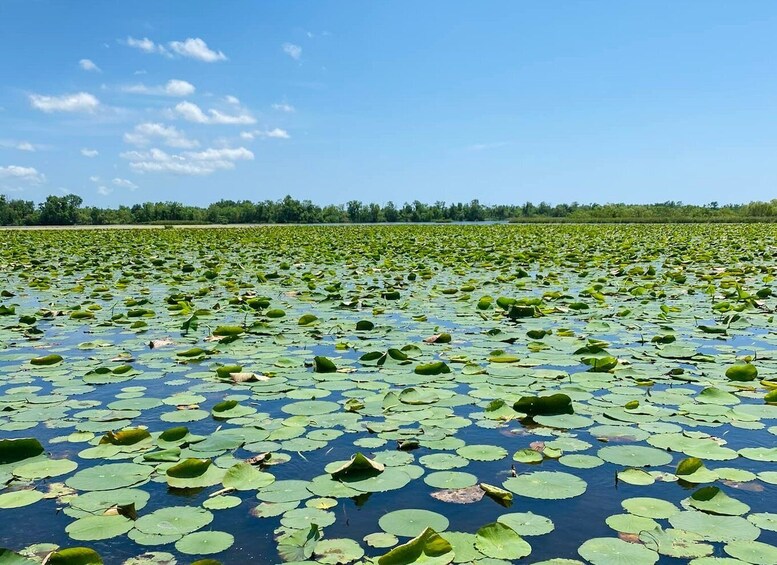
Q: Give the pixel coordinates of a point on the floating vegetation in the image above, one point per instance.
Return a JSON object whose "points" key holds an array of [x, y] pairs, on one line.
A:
{"points": [[391, 395]]}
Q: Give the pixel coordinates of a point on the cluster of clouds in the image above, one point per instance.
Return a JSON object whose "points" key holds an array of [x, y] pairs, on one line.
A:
{"points": [[147, 137], [191, 48], [173, 87], [193, 113], [78, 102], [197, 163], [149, 133]]}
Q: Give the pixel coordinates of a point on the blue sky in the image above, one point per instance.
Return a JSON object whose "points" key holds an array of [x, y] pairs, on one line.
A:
{"points": [[588, 101]]}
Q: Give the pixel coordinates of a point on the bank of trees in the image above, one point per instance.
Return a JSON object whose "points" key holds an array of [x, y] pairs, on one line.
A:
{"points": [[69, 210]]}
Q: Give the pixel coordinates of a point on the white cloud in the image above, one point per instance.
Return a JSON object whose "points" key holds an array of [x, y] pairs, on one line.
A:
{"points": [[196, 48], [25, 146], [231, 99], [145, 133], [293, 51], [283, 107], [94, 178], [86, 152], [187, 163], [78, 102], [104, 190], [193, 113], [276, 133], [88, 65], [145, 45], [173, 87], [124, 183], [28, 175], [217, 117]]}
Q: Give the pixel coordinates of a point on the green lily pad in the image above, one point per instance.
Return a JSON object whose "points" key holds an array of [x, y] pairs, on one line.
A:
{"points": [[205, 543], [614, 551], [412, 522], [548, 485], [498, 541]]}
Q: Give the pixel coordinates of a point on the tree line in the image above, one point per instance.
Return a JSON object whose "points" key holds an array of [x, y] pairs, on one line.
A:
{"points": [[69, 210]]}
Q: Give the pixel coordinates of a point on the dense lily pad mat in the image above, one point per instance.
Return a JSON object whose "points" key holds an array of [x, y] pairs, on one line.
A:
{"points": [[389, 394]]}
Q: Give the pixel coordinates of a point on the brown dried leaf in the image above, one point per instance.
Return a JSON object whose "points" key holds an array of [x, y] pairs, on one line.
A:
{"points": [[459, 495], [749, 486]]}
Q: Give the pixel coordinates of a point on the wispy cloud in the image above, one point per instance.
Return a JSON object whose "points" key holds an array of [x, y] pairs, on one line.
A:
{"points": [[20, 145], [196, 163], [283, 107], [88, 65], [91, 153], [293, 51], [104, 190], [147, 133], [78, 102], [173, 87], [486, 146], [145, 45], [275, 133], [189, 111], [28, 175], [124, 183]]}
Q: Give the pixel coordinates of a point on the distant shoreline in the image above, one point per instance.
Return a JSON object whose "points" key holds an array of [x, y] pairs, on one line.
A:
{"points": [[521, 221]]}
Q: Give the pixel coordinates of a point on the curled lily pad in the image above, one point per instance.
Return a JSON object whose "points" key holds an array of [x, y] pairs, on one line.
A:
{"points": [[742, 372], [427, 547], [189, 468], [714, 501], [50, 359], [75, 556], [13, 450], [544, 405], [358, 465], [503, 497]]}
